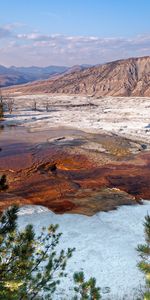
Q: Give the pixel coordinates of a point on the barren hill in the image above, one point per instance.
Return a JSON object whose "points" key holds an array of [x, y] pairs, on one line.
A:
{"points": [[129, 77]]}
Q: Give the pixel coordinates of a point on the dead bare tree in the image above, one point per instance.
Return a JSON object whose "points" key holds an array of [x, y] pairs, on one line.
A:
{"points": [[47, 106], [34, 107], [1, 106], [1, 110], [10, 105], [1, 97]]}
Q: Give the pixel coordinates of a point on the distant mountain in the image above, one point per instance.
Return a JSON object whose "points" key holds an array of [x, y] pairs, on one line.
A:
{"points": [[129, 77], [20, 75], [39, 71]]}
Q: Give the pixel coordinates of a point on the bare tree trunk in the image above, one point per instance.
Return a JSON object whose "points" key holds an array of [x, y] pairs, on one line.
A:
{"points": [[10, 104], [34, 105]]}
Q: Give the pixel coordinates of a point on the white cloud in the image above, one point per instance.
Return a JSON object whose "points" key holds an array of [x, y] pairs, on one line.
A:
{"points": [[22, 48], [5, 32]]}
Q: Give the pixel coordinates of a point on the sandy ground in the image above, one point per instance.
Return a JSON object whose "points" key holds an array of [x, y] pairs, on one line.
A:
{"points": [[127, 117]]}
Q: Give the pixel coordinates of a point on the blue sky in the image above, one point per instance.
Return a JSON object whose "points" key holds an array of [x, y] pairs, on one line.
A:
{"points": [[67, 32]]}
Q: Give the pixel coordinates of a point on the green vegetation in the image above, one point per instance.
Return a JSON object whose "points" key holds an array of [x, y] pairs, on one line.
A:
{"points": [[3, 183], [85, 289], [30, 266], [144, 253]]}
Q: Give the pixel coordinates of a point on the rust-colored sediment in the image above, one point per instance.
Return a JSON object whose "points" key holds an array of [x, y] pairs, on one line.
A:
{"points": [[78, 184]]}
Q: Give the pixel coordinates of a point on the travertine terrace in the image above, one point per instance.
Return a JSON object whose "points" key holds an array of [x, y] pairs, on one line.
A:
{"points": [[125, 116], [99, 145]]}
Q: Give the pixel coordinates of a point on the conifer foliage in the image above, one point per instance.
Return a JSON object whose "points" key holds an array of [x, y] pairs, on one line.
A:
{"points": [[30, 266], [144, 253], [85, 289], [3, 183]]}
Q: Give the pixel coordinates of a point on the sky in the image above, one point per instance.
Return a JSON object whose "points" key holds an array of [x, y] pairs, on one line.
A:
{"points": [[71, 32]]}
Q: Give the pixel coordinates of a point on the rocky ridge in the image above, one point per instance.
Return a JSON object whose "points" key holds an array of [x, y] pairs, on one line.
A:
{"points": [[129, 77]]}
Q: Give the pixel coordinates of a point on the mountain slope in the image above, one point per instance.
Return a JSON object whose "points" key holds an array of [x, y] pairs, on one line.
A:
{"points": [[129, 77], [22, 75], [19, 75]]}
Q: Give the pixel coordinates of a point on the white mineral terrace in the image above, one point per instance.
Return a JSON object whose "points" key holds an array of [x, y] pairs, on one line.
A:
{"points": [[128, 117], [105, 246]]}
